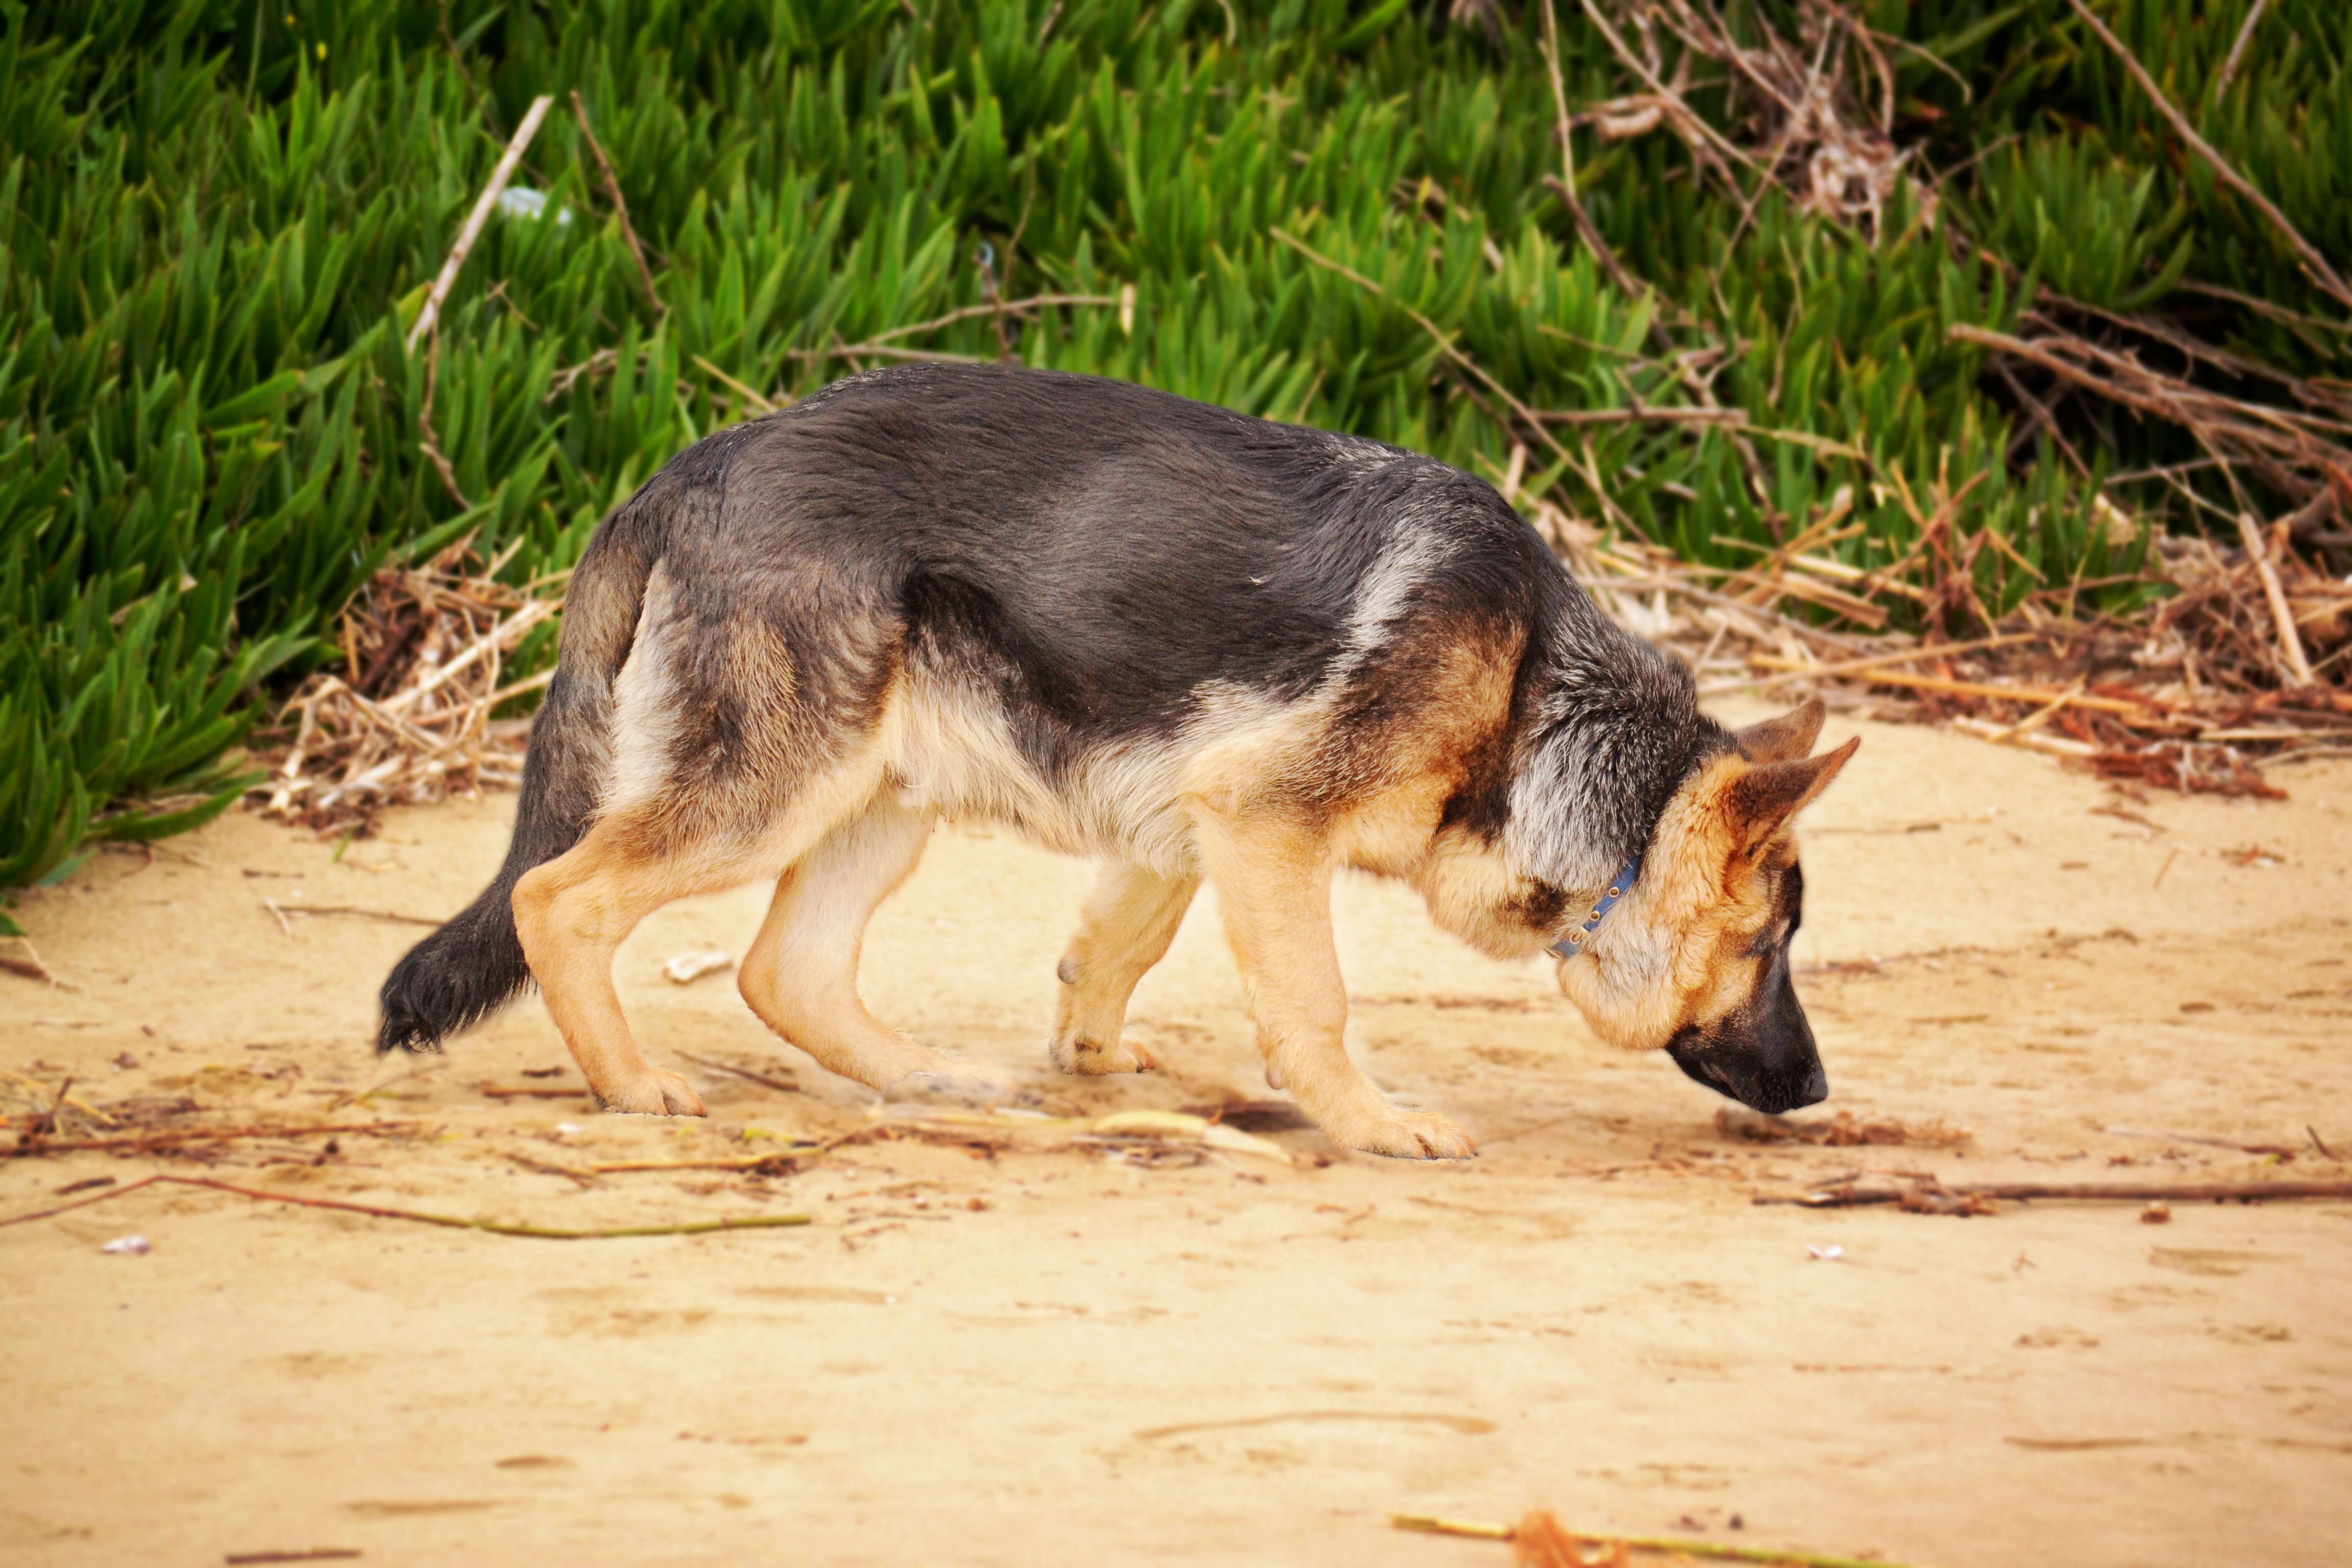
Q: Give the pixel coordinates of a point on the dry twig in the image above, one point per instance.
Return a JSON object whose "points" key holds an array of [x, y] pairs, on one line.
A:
{"points": [[1933, 1197], [2228, 71], [2308, 253], [495, 1227], [162, 1140], [785, 1085], [2296, 668], [428, 319], [620, 204], [406, 720], [1540, 1541]]}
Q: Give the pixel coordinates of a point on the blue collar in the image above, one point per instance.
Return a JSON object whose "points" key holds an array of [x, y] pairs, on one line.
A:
{"points": [[1619, 885]]}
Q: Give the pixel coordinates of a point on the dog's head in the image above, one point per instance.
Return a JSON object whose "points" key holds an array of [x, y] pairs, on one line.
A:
{"points": [[1695, 960]]}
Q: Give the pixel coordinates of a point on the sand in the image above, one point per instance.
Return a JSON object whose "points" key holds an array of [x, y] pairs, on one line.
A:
{"points": [[1060, 1357]]}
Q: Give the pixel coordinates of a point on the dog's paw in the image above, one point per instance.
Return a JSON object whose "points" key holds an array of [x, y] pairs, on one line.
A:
{"points": [[654, 1093], [1090, 1058], [1408, 1135]]}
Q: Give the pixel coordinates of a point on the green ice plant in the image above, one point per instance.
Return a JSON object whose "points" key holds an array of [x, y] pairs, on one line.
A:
{"points": [[217, 223]]}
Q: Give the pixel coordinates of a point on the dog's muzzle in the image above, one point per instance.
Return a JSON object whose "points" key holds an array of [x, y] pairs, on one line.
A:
{"points": [[1762, 1056]]}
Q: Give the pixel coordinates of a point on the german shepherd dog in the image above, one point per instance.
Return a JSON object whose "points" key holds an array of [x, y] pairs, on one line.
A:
{"points": [[1196, 645]]}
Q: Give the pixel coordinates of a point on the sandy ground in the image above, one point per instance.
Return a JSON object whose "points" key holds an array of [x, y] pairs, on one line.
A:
{"points": [[1057, 1357]]}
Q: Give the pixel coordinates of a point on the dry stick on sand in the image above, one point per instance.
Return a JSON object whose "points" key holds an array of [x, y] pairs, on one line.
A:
{"points": [[2321, 273], [60, 1098], [578, 1178], [1544, 1542], [620, 204], [165, 1138], [2159, 1135], [777, 1083], [2077, 1191], [781, 1157], [495, 1227], [282, 911], [30, 966]]}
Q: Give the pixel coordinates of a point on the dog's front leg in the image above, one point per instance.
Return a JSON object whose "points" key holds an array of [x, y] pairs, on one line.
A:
{"points": [[1274, 883], [1130, 921]]}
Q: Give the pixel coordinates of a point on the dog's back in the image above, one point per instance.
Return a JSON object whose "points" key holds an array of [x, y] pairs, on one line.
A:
{"points": [[1050, 592]]}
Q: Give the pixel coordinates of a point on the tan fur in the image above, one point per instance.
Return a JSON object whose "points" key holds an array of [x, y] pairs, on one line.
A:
{"points": [[574, 912], [1127, 925], [1273, 885], [1674, 952], [801, 974]]}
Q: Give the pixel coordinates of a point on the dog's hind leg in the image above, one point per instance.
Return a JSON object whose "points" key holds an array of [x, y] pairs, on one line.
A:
{"points": [[571, 913], [1274, 883], [801, 974], [1130, 921]]}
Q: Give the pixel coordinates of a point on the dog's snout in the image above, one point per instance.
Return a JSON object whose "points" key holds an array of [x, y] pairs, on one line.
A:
{"points": [[1763, 1057]]}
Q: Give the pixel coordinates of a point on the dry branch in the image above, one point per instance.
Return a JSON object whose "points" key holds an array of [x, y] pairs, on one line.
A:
{"points": [[1798, 670], [2228, 71], [2130, 710], [620, 203], [495, 1227], [2309, 254], [785, 1085], [1800, 102], [2159, 1135], [881, 345], [2290, 658], [29, 966], [1540, 1541], [430, 317], [1445, 346], [1564, 185], [406, 720], [165, 1139], [429, 439], [1937, 1198]]}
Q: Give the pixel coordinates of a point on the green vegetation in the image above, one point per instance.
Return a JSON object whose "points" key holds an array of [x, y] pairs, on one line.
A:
{"points": [[221, 217]]}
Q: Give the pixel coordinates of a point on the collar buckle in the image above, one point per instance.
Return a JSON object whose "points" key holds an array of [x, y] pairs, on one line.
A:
{"points": [[1575, 941]]}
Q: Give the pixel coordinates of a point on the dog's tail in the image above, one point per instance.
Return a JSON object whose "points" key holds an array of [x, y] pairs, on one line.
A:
{"points": [[475, 965]]}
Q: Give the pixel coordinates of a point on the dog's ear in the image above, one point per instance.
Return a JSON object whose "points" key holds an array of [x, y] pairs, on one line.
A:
{"points": [[1760, 801], [1785, 739]]}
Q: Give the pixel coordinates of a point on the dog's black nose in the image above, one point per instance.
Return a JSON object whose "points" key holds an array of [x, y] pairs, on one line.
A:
{"points": [[1776, 1097], [1755, 1081]]}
